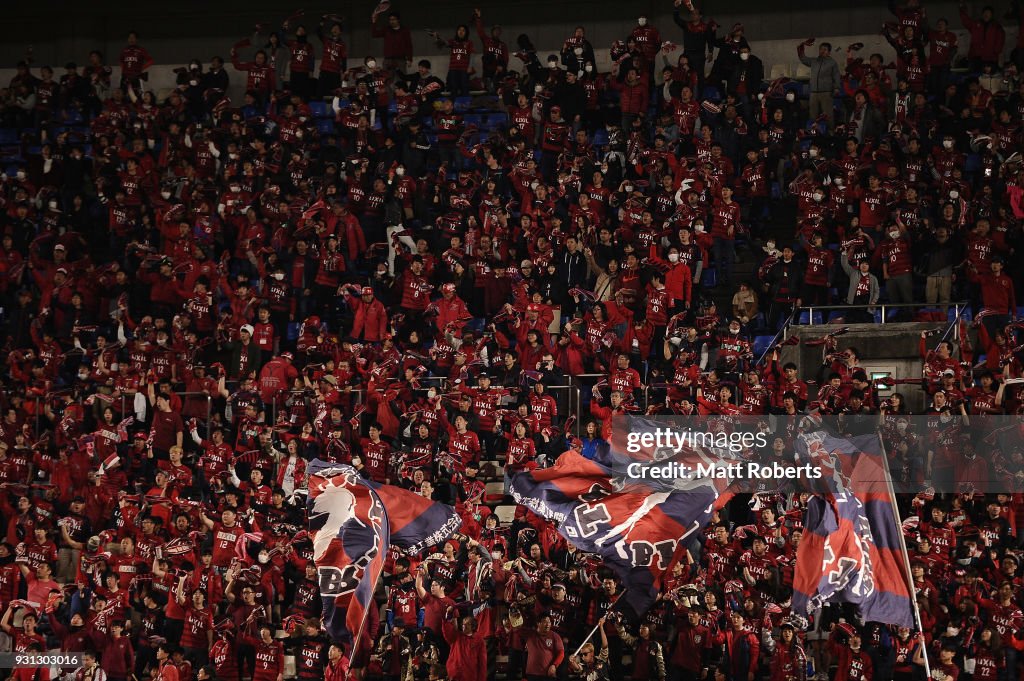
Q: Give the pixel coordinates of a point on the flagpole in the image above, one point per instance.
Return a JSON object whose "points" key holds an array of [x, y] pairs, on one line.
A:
{"points": [[906, 555], [362, 624], [599, 623]]}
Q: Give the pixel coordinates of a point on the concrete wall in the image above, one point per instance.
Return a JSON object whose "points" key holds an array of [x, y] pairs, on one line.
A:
{"points": [[176, 32], [894, 351]]}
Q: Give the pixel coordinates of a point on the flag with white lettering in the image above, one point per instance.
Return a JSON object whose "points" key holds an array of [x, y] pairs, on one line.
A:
{"points": [[851, 549], [353, 522], [638, 531]]}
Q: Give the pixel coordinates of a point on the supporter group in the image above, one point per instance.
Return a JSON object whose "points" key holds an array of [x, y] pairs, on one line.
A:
{"points": [[447, 272]]}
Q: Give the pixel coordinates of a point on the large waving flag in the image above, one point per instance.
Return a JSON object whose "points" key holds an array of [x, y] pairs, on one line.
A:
{"points": [[851, 549], [352, 523], [637, 531]]}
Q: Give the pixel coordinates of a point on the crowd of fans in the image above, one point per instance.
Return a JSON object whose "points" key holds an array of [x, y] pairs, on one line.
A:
{"points": [[200, 295]]}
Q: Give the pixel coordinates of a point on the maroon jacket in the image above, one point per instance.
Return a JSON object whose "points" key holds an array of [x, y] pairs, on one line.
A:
{"points": [[632, 98], [118, 659], [986, 39], [467, 660], [397, 42]]}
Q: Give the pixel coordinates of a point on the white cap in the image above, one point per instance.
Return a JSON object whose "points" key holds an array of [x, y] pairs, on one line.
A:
{"points": [[247, 328]]}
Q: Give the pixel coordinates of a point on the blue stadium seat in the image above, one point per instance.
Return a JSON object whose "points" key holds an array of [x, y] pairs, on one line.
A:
{"points": [[709, 279], [805, 318], [321, 109], [293, 331], [8, 136], [474, 119], [325, 126], [973, 163], [495, 119], [712, 93], [761, 345], [462, 104], [600, 137]]}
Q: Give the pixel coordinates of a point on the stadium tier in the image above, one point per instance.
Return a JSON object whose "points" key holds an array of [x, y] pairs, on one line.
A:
{"points": [[686, 356]]}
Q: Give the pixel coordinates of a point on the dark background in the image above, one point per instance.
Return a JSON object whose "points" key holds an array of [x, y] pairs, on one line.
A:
{"points": [[176, 31]]}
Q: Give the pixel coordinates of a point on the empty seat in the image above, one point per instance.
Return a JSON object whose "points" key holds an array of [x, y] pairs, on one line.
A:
{"points": [[761, 345], [710, 278], [805, 318], [803, 72], [462, 104], [321, 109], [505, 513], [325, 126], [780, 71]]}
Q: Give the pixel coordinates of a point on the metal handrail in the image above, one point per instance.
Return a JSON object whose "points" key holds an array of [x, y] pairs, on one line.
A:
{"points": [[960, 307], [781, 333]]}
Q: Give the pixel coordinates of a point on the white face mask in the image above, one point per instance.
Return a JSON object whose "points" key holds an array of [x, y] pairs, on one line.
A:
{"points": [[431, 394], [673, 257], [744, 56], [790, 97], [83, 377], [642, 21], [165, 195], [538, 89], [954, 194], [817, 197], [372, 64], [839, 182], [193, 82], [947, 144], [21, 175], [812, 152], [279, 276], [588, 68], [894, 235], [161, 341], [699, 229], [235, 188], [578, 51], [400, 171], [628, 188]]}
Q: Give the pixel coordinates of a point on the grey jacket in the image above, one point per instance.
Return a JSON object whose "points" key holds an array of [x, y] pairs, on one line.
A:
{"points": [[824, 71], [854, 275]]}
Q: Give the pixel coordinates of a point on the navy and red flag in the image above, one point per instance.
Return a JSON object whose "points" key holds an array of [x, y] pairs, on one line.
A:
{"points": [[353, 522], [639, 532], [851, 549]]}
